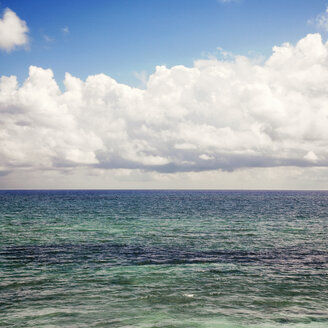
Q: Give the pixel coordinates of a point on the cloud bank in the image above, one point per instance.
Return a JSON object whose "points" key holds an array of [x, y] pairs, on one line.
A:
{"points": [[216, 115], [13, 31]]}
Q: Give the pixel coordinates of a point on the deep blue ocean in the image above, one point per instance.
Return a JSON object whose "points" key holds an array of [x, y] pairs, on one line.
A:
{"points": [[163, 259]]}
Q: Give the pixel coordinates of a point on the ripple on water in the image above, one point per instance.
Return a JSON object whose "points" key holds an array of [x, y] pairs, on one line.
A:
{"points": [[163, 259]]}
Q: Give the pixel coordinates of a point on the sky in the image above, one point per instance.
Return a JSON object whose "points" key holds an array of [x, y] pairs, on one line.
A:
{"points": [[172, 94]]}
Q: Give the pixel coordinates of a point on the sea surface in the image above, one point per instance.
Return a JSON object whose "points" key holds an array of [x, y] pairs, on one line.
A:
{"points": [[163, 259]]}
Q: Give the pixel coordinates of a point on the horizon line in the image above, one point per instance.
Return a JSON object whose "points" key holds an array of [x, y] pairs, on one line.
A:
{"points": [[152, 189]]}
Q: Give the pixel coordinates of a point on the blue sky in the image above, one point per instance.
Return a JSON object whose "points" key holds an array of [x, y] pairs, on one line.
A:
{"points": [[122, 37]]}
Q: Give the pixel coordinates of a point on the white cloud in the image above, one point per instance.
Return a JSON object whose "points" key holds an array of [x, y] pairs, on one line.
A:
{"points": [[311, 156], [322, 20], [216, 115], [13, 31]]}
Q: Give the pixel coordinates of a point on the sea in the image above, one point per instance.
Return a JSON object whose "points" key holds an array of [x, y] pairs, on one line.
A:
{"points": [[150, 258]]}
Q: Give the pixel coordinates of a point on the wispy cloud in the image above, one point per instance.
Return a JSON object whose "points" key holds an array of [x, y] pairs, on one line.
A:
{"points": [[227, 1], [48, 39], [13, 31], [65, 30], [321, 21], [142, 77]]}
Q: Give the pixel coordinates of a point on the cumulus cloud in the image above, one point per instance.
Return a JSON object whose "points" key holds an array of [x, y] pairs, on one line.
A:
{"points": [[13, 31], [217, 115]]}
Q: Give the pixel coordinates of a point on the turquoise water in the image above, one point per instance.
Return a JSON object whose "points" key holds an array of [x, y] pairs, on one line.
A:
{"points": [[163, 259]]}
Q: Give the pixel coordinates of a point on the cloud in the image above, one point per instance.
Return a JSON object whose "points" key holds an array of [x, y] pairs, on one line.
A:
{"points": [[13, 31], [320, 21], [227, 1], [217, 115], [48, 39], [142, 77], [65, 30]]}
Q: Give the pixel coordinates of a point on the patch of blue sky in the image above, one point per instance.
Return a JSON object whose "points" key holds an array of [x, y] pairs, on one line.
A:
{"points": [[122, 37]]}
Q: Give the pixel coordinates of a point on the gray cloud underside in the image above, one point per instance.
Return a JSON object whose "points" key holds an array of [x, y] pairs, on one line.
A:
{"points": [[215, 115]]}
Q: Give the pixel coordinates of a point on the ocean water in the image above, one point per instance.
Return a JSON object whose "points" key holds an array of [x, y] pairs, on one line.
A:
{"points": [[163, 259]]}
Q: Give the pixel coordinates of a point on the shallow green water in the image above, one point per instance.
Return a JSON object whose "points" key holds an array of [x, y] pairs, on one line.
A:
{"points": [[163, 259]]}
